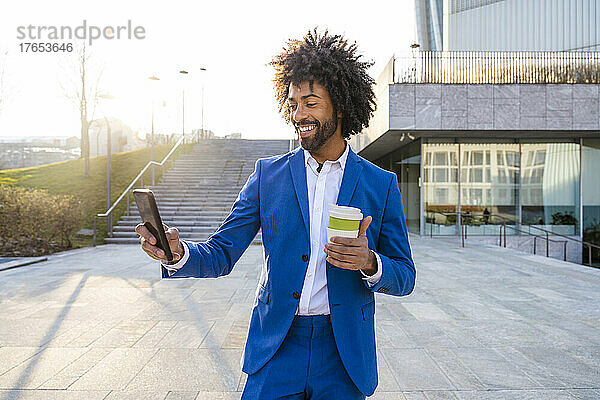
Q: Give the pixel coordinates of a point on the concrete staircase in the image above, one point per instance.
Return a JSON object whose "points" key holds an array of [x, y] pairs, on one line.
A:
{"points": [[197, 193]]}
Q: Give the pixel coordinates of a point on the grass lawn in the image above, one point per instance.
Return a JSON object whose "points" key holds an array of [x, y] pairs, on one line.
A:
{"points": [[67, 178]]}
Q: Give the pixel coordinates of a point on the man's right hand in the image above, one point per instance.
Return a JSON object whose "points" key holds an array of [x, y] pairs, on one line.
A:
{"points": [[149, 241]]}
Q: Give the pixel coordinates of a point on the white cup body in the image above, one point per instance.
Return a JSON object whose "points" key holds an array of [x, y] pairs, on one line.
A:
{"points": [[336, 232]]}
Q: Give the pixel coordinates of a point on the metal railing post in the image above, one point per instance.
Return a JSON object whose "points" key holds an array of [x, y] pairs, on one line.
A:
{"points": [[565, 251], [504, 234], [431, 229], [108, 225], [94, 240], [590, 255], [128, 203], [534, 244], [500, 236], [547, 245]]}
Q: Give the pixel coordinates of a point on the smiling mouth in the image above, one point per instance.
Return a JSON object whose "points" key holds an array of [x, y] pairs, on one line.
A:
{"points": [[303, 129]]}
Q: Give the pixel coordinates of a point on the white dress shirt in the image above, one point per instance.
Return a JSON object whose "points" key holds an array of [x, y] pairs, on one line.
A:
{"points": [[323, 189]]}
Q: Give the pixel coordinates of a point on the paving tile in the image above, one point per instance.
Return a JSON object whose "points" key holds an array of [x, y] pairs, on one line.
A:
{"points": [[387, 382], [189, 370], [567, 368], [461, 376], [175, 395], [516, 395], [52, 395], [491, 369], [426, 312], [415, 396], [585, 394], [11, 357], [65, 377], [115, 370], [34, 371], [186, 334], [236, 337], [219, 396], [381, 395], [124, 334], [153, 336], [440, 395], [136, 395], [532, 370], [415, 370]]}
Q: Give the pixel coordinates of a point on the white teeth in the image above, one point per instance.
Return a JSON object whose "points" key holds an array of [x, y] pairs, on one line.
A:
{"points": [[306, 128]]}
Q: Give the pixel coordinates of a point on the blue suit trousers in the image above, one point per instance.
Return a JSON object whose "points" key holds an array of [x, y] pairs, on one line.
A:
{"points": [[306, 366]]}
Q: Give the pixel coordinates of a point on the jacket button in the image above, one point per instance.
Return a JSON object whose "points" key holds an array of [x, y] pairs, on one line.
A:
{"points": [[304, 257], [296, 295]]}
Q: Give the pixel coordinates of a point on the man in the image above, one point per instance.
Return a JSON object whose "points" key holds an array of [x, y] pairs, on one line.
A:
{"points": [[311, 331]]}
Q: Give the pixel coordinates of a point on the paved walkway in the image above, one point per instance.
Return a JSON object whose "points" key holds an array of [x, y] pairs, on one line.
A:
{"points": [[482, 323]]}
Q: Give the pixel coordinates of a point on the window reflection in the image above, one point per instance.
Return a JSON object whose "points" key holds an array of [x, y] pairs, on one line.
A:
{"points": [[440, 188], [550, 186]]}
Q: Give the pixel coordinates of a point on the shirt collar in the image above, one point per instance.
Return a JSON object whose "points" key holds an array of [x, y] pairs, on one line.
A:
{"points": [[309, 159]]}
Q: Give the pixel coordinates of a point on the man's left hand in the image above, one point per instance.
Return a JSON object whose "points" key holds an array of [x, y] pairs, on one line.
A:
{"points": [[350, 253]]}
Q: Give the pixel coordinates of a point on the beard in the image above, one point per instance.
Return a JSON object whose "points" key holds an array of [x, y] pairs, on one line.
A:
{"points": [[322, 133]]}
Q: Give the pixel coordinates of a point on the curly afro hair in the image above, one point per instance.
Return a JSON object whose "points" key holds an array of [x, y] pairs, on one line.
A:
{"points": [[333, 63]]}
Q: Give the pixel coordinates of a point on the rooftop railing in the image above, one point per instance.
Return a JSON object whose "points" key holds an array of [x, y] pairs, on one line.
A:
{"points": [[497, 67]]}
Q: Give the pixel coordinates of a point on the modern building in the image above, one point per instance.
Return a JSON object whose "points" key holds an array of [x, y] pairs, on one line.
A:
{"points": [[481, 140], [508, 25]]}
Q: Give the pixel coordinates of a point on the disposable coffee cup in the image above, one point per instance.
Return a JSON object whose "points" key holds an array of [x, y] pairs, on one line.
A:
{"points": [[343, 221], [336, 232], [344, 218]]}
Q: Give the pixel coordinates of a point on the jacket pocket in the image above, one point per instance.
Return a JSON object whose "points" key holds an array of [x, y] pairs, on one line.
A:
{"points": [[368, 311]]}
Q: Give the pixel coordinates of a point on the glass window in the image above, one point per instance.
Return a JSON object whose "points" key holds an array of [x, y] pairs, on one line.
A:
{"points": [[476, 175], [441, 175], [501, 175], [440, 188], [406, 163], [552, 200], [486, 174], [440, 158], [590, 162]]}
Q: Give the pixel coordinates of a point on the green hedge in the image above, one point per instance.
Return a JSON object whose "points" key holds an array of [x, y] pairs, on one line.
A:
{"points": [[34, 222], [66, 178]]}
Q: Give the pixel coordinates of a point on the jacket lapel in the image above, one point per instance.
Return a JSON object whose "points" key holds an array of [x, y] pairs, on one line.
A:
{"points": [[349, 181], [298, 170]]}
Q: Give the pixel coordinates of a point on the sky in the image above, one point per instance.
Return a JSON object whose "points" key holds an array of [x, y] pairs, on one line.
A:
{"points": [[232, 40]]}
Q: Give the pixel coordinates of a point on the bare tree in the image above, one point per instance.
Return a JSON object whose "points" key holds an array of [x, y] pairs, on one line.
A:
{"points": [[86, 89]]}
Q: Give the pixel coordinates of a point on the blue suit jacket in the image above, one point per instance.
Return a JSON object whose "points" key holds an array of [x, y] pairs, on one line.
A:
{"points": [[275, 198]]}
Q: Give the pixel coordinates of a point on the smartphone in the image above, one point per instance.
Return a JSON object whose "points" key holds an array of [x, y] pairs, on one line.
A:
{"points": [[144, 198]]}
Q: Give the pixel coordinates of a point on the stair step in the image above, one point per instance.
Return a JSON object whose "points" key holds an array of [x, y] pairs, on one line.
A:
{"points": [[197, 192]]}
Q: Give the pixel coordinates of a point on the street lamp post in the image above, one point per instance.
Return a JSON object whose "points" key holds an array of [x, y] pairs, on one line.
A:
{"points": [[108, 152], [202, 113], [153, 78], [183, 72]]}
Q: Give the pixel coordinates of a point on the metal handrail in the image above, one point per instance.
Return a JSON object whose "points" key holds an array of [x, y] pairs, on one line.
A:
{"points": [[546, 238], [547, 232], [139, 176]]}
